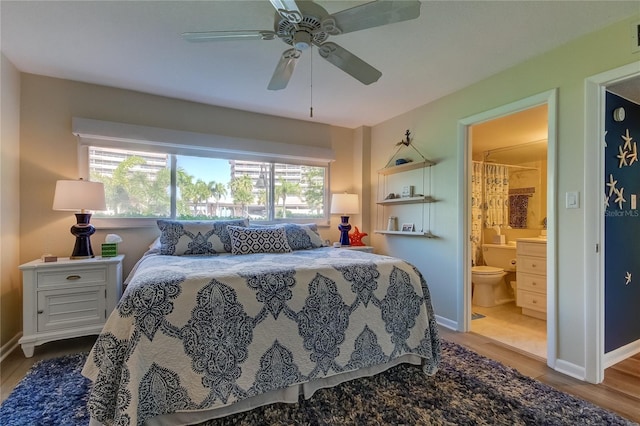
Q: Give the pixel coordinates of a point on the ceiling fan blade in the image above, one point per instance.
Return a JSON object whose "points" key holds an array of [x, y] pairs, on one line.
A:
{"points": [[349, 63], [288, 9], [229, 35], [284, 69], [371, 15]]}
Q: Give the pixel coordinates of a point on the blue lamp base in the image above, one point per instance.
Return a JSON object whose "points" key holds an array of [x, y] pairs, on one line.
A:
{"points": [[83, 231], [344, 228]]}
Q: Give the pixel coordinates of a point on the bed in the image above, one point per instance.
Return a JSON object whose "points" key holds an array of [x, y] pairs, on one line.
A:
{"points": [[210, 325]]}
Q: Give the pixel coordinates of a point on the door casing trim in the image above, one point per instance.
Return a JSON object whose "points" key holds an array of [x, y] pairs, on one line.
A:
{"points": [[464, 214]]}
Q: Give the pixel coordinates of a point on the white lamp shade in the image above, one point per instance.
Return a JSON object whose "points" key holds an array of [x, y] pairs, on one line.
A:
{"points": [[344, 204], [74, 195]]}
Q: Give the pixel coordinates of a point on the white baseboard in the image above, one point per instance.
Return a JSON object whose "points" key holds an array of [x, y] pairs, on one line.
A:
{"points": [[446, 322], [620, 354], [570, 369], [10, 346], [561, 366]]}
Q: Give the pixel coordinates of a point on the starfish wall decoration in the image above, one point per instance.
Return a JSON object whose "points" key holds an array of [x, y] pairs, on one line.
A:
{"points": [[627, 155], [627, 152], [620, 198], [611, 184]]}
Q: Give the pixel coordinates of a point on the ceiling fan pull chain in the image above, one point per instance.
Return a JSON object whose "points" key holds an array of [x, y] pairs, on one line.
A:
{"points": [[311, 85]]}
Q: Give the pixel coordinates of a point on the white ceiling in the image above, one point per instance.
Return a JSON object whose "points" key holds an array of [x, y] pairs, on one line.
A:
{"points": [[137, 45]]}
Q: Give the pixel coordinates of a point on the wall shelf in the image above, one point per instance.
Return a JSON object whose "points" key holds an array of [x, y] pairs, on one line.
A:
{"points": [[405, 167], [412, 177], [406, 233], [408, 200]]}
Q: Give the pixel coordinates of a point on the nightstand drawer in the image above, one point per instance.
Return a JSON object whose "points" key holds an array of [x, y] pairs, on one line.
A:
{"points": [[65, 308], [74, 276]]}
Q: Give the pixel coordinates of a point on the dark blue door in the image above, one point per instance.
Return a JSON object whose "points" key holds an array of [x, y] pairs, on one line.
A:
{"points": [[622, 223]]}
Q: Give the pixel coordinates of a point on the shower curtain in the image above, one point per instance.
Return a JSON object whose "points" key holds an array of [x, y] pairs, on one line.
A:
{"points": [[496, 195], [476, 211], [489, 201]]}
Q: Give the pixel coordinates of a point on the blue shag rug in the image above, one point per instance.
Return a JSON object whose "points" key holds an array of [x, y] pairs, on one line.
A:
{"points": [[52, 393], [469, 389]]}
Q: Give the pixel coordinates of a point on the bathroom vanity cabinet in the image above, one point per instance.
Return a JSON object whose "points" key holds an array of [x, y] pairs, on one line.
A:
{"points": [[531, 276]]}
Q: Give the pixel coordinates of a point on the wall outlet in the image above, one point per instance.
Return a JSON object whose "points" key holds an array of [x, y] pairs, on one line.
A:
{"points": [[635, 37]]}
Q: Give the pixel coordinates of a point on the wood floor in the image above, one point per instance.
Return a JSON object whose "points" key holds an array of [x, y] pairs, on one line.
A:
{"points": [[620, 391]]}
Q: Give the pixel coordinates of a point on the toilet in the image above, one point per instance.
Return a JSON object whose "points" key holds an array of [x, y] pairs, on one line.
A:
{"points": [[489, 286]]}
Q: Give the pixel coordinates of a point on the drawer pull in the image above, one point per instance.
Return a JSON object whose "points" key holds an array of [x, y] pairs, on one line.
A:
{"points": [[534, 301], [533, 265], [40, 312], [73, 277], [533, 283]]}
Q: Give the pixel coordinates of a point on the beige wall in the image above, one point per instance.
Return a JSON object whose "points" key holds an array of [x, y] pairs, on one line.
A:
{"points": [[10, 284], [435, 129], [49, 150], [40, 141]]}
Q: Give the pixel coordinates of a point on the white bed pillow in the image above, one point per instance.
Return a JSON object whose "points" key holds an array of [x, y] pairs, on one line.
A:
{"points": [[155, 245], [258, 240]]}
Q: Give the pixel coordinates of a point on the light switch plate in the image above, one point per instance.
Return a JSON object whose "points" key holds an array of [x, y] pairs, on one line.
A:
{"points": [[572, 200], [635, 37]]}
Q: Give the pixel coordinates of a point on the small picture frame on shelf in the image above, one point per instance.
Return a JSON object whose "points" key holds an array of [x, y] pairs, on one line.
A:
{"points": [[407, 191], [407, 227]]}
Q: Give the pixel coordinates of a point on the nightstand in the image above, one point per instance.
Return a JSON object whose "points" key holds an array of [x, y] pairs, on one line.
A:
{"points": [[67, 298], [366, 249]]}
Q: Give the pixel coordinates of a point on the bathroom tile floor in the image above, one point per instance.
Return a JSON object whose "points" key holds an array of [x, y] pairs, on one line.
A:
{"points": [[506, 324]]}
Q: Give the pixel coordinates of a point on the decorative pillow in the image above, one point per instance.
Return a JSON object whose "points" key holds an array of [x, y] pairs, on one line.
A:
{"points": [[258, 240], [300, 237], [186, 237]]}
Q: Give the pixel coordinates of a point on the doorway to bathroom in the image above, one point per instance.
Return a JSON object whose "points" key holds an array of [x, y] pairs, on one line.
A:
{"points": [[510, 214]]}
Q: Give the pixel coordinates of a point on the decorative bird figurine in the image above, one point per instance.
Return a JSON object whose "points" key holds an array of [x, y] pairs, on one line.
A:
{"points": [[355, 237]]}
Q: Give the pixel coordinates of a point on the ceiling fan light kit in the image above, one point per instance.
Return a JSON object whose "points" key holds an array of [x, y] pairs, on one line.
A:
{"points": [[302, 24]]}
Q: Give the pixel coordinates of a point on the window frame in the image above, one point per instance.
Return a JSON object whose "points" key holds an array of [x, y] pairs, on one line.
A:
{"points": [[121, 222]]}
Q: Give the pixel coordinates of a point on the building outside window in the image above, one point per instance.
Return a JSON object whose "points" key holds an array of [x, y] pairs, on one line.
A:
{"points": [[159, 185]]}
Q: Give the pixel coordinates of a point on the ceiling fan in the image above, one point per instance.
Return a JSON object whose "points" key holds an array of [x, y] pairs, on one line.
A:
{"points": [[303, 23]]}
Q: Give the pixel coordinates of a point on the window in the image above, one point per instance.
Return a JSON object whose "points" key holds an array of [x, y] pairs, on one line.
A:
{"points": [[158, 185]]}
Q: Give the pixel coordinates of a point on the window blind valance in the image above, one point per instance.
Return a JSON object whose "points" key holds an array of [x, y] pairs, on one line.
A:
{"points": [[155, 139]]}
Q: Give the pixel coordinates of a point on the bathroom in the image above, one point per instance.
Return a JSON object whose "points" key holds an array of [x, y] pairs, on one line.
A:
{"points": [[508, 209]]}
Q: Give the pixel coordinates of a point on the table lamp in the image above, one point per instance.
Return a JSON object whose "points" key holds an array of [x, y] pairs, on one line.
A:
{"points": [[344, 205], [73, 195]]}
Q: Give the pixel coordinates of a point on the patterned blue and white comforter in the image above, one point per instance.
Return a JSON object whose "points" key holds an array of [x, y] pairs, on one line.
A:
{"points": [[195, 333]]}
